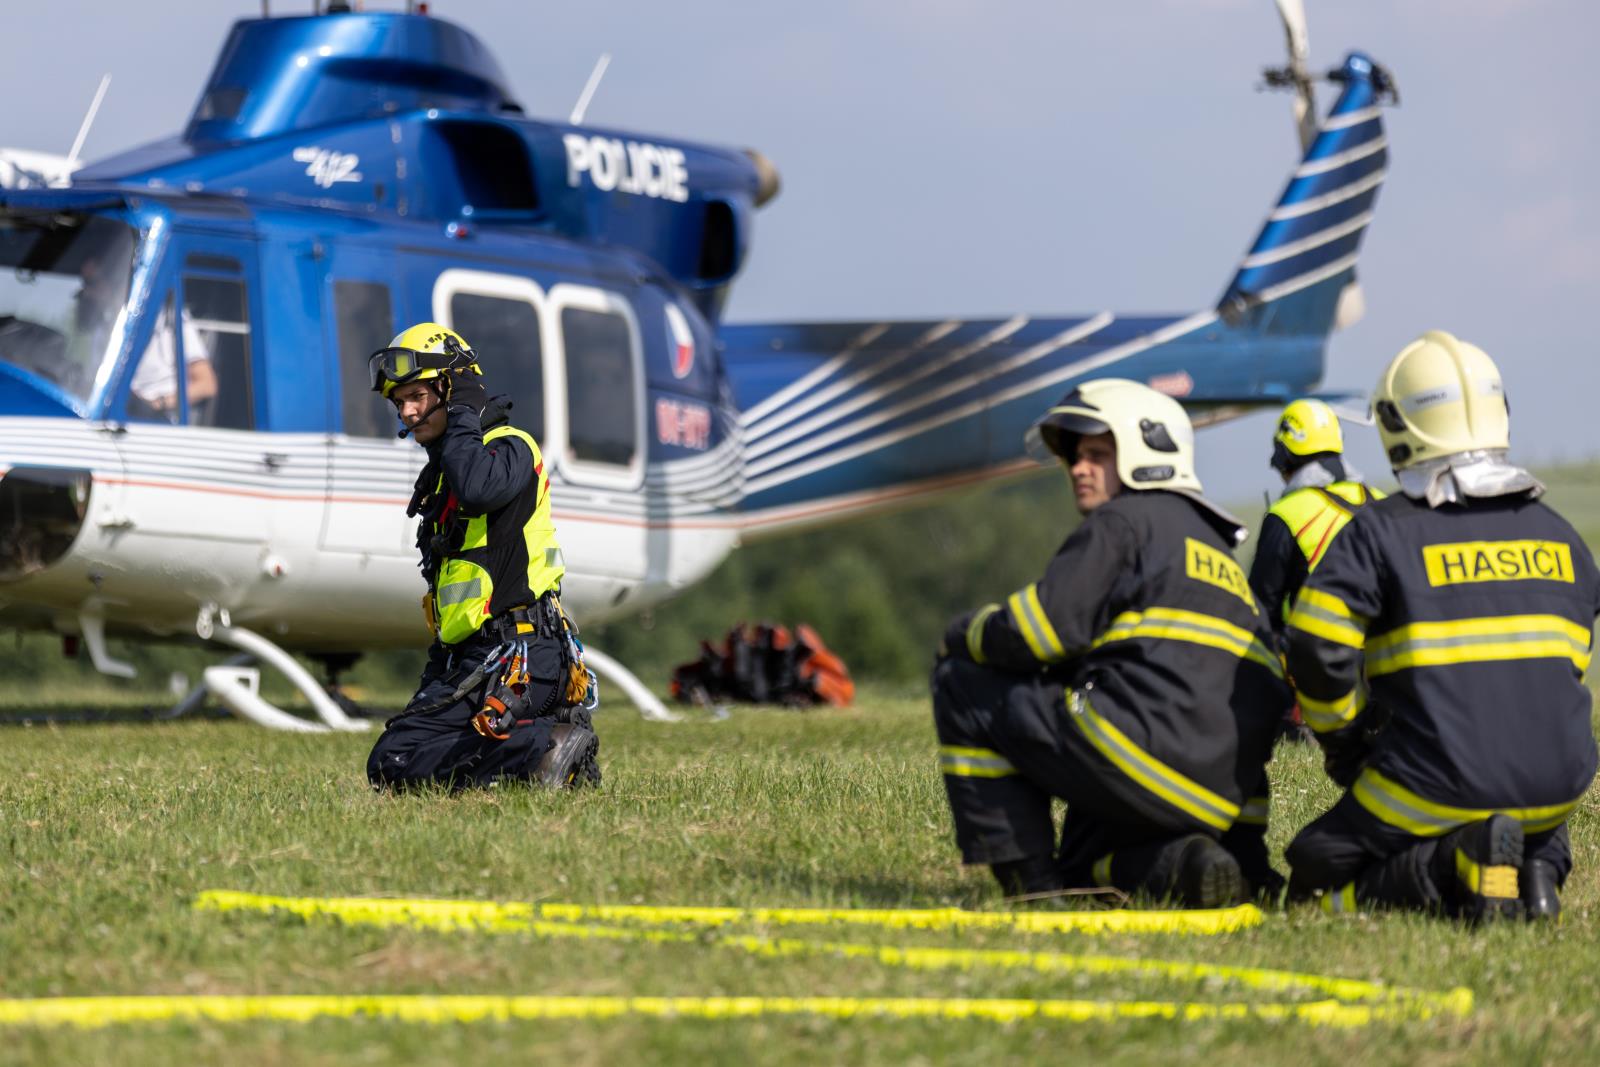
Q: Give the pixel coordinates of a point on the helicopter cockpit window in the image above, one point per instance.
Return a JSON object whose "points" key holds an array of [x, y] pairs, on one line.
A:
{"points": [[601, 427], [218, 379], [504, 332], [365, 319], [63, 293]]}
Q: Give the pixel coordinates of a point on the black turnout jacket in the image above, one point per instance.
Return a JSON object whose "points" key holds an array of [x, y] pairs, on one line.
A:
{"points": [[1150, 626]]}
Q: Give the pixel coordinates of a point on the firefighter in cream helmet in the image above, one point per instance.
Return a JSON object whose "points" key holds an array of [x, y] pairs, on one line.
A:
{"points": [[499, 698], [1440, 647], [1134, 680]]}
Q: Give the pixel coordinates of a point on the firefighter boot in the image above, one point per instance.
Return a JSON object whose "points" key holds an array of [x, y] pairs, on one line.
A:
{"points": [[573, 758], [1478, 864], [1541, 891], [1206, 875], [1028, 876]]}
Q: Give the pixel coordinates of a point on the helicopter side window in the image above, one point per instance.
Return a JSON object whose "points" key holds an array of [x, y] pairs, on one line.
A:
{"points": [[216, 309], [601, 400], [362, 312], [504, 333]]}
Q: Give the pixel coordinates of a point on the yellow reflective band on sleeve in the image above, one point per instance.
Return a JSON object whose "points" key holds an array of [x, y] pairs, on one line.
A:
{"points": [[1325, 715], [1326, 616], [1340, 901], [974, 762], [1486, 640], [1175, 624], [1398, 806], [975, 631], [1255, 811], [1101, 871], [1034, 626], [1181, 792]]}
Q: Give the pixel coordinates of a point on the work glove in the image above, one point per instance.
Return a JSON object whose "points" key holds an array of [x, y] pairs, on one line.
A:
{"points": [[953, 645], [1344, 753], [464, 389]]}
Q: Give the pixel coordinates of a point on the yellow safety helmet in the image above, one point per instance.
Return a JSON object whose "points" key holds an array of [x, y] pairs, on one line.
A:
{"points": [[1440, 396], [1306, 428], [419, 353], [1155, 439]]}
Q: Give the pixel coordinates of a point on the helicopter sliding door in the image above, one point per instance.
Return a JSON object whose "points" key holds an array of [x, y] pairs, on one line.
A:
{"points": [[597, 429]]}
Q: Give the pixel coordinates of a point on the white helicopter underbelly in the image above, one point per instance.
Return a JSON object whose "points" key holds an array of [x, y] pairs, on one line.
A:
{"points": [[304, 537]]}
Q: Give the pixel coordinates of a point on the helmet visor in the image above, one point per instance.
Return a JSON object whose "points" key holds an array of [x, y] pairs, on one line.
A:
{"points": [[1055, 437]]}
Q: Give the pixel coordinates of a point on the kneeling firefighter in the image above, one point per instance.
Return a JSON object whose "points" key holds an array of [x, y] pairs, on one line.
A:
{"points": [[505, 694], [1321, 492], [1135, 680], [1439, 651]]}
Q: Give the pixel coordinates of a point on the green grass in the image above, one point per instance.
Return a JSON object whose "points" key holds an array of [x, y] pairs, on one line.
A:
{"points": [[107, 834]]}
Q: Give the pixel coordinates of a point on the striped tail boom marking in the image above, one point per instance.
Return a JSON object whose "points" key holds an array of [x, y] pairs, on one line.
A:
{"points": [[1315, 231], [840, 418]]}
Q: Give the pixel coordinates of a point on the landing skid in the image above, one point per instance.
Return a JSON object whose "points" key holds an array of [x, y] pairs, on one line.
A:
{"points": [[236, 684], [648, 703]]}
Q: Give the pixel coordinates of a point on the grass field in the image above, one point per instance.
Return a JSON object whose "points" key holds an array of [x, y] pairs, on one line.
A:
{"points": [[108, 833]]}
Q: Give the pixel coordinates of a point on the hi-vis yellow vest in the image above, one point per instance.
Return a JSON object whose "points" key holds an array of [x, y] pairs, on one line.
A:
{"points": [[1315, 515], [508, 558]]}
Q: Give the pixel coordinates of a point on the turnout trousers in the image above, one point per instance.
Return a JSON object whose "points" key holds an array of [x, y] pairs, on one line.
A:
{"points": [[1008, 746], [438, 745], [1352, 856]]}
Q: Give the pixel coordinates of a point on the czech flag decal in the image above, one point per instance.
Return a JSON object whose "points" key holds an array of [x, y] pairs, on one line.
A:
{"points": [[680, 342]]}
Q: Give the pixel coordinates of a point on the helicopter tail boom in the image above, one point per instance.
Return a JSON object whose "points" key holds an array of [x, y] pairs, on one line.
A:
{"points": [[843, 418]]}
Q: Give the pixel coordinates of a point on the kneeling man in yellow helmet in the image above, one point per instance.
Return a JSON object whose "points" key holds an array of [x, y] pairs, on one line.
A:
{"points": [[503, 694], [1134, 680], [1439, 650], [1321, 491]]}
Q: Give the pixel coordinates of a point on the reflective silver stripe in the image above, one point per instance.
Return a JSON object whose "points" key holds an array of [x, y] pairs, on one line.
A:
{"points": [[974, 762], [1398, 655], [1255, 811], [975, 631], [1176, 789], [460, 592], [1339, 901]]}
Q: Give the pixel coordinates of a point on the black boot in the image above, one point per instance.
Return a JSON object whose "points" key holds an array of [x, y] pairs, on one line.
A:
{"points": [[1541, 891], [1206, 875], [1478, 864], [572, 759], [1027, 876]]}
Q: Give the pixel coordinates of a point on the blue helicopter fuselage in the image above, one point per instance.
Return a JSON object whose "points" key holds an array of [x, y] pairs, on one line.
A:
{"points": [[185, 418]]}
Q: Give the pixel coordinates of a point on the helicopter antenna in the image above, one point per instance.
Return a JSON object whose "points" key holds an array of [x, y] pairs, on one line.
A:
{"points": [[584, 97], [88, 120]]}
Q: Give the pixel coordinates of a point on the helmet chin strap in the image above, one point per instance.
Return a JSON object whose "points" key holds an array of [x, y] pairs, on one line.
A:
{"points": [[438, 402]]}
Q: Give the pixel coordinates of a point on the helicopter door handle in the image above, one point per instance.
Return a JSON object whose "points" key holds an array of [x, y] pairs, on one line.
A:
{"points": [[274, 460]]}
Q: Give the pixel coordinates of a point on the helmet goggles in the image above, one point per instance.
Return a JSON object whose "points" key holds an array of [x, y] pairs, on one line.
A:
{"points": [[396, 366]]}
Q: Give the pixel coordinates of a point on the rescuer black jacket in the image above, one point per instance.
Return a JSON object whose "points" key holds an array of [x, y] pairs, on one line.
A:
{"points": [[1145, 615], [1474, 622]]}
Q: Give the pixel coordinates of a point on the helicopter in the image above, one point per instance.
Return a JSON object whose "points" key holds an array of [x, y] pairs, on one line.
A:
{"points": [[190, 449]]}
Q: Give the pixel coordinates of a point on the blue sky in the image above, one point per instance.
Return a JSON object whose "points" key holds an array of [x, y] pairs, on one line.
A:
{"points": [[955, 158]]}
